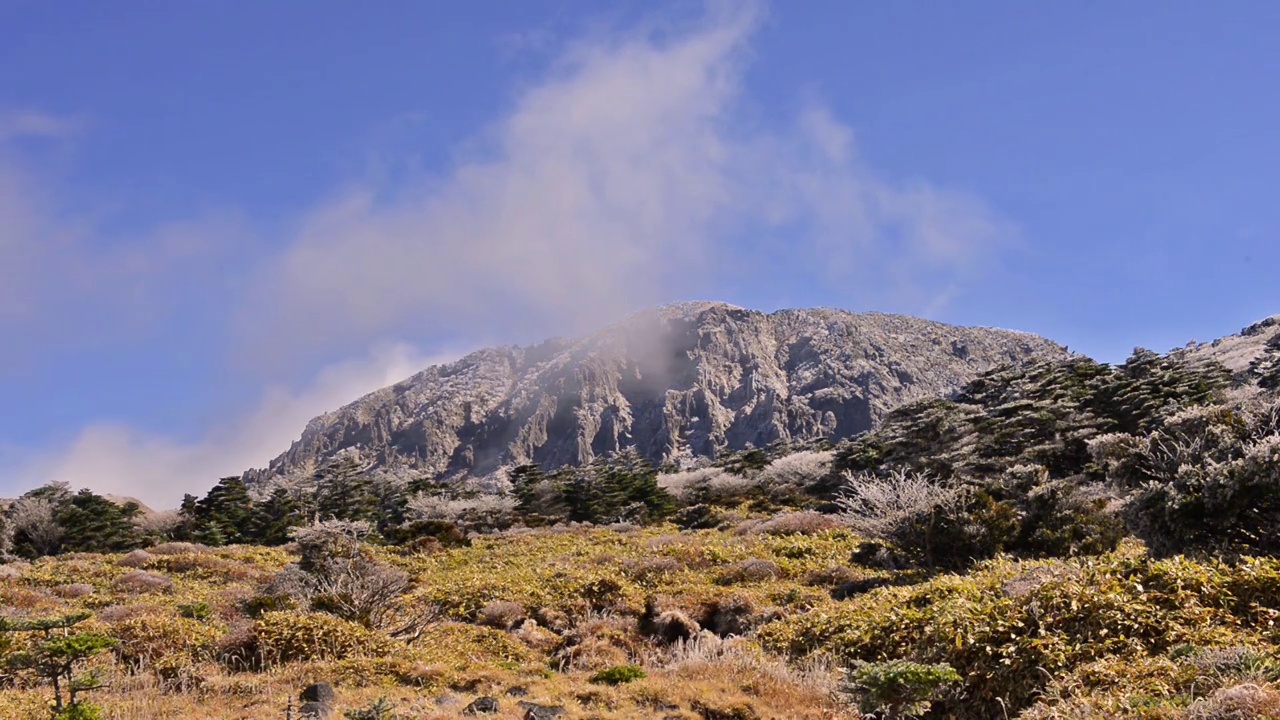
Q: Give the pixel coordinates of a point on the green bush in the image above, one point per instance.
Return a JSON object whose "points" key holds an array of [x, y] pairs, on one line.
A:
{"points": [[379, 709], [618, 675], [898, 688], [195, 610], [80, 711]]}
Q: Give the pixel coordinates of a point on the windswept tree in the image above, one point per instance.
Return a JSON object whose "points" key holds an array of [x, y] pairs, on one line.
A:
{"points": [[56, 657]]}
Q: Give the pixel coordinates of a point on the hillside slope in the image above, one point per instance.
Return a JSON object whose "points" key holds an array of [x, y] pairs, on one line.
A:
{"points": [[692, 379]]}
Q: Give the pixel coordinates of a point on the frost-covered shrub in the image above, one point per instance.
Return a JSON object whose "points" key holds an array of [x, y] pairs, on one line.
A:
{"points": [[793, 523], [1064, 519], [1208, 479], [711, 485], [795, 475], [482, 512], [338, 574], [940, 523], [501, 614], [749, 571], [135, 559]]}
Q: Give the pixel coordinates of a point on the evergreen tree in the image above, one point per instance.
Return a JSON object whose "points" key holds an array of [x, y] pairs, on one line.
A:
{"points": [[540, 498], [188, 519], [344, 491], [225, 515], [275, 516], [1266, 368], [96, 524]]}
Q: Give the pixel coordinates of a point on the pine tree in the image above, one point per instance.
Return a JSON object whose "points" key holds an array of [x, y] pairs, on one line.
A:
{"points": [[56, 656], [225, 514], [344, 491], [540, 498], [1267, 366], [273, 518], [188, 519], [95, 524]]}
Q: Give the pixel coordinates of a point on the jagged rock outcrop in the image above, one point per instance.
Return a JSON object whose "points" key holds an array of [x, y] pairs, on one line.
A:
{"points": [[685, 380]]}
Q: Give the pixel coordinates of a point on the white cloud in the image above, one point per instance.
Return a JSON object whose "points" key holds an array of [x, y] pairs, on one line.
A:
{"points": [[157, 469], [629, 175], [620, 180]]}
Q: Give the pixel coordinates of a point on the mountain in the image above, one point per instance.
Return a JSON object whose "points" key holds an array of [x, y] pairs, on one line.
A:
{"points": [[1253, 354], [675, 382]]}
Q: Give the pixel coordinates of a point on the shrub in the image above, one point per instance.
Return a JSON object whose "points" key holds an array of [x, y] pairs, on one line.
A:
{"points": [[379, 709], [32, 520], [73, 591], [483, 512], [942, 523], [795, 523], [178, 548], [700, 516], [141, 581], [899, 688], [796, 475], [733, 615], [283, 637], [748, 571], [1204, 481], [80, 711], [618, 675], [147, 639], [135, 559], [338, 574], [501, 614], [1240, 702], [195, 611], [652, 568], [902, 508], [712, 486], [1062, 519]]}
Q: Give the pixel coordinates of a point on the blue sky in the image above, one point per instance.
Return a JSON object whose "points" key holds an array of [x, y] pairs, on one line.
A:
{"points": [[220, 219]]}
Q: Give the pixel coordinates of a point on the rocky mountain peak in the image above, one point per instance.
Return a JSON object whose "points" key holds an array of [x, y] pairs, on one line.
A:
{"points": [[675, 382]]}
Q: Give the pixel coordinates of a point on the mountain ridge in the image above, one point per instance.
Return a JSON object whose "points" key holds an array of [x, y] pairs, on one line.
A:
{"points": [[674, 382]]}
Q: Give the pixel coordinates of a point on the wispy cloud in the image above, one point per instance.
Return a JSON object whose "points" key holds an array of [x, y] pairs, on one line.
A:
{"points": [[630, 174], [158, 469], [19, 124]]}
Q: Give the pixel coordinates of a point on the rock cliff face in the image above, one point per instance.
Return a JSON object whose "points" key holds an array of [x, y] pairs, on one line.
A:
{"points": [[685, 380]]}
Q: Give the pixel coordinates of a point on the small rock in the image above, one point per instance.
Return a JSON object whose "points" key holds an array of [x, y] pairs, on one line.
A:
{"points": [[321, 692], [315, 711], [481, 705], [534, 711]]}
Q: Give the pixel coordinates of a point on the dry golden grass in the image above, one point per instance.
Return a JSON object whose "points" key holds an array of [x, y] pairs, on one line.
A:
{"points": [[533, 615], [529, 616]]}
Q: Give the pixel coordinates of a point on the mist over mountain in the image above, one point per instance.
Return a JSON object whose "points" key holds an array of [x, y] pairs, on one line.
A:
{"points": [[674, 383]]}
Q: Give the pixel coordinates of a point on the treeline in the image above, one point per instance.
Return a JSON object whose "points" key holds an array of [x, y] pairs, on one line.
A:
{"points": [[1067, 458], [622, 488], [1050, 459]]}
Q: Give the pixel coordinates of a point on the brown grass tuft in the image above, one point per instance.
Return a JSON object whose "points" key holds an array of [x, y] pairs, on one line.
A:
{"points": [[141, 581]]}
